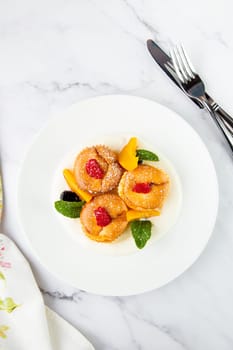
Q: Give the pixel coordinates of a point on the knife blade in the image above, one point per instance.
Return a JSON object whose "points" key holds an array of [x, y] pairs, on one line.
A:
{"points": [[165, 62]]}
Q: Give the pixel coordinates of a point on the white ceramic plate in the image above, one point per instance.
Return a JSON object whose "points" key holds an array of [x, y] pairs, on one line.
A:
{"points": [[119, 268]]}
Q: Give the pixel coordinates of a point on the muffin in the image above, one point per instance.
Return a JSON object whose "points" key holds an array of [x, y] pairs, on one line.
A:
{"points": [[97, 170], [144, 188], [104, 218]]}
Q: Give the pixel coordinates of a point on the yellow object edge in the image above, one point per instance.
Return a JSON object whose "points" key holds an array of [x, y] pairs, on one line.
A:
{"points": [[69, 177]]}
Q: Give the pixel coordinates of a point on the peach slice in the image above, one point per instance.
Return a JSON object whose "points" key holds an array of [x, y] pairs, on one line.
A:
{"points": [[136, 214], [69, 177], [127, 156]]}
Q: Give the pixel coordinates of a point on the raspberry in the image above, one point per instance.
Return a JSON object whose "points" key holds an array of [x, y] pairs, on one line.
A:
{"points": [[93, 169], [142, 187], [102, 217]]}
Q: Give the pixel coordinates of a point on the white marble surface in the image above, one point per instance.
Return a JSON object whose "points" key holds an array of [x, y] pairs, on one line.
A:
{"points": [[54, 53]]}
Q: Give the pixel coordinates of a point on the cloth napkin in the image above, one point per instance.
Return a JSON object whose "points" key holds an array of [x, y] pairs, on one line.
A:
{"points": [[25, 322]]}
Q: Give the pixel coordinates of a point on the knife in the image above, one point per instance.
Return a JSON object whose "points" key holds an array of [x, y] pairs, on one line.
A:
{"points": [[165, 62]]}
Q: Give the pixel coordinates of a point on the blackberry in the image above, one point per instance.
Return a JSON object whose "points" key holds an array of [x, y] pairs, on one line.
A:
{"points": [[69, 196]]}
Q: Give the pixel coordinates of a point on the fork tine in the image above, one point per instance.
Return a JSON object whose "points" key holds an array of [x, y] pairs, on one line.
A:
{"points": [[186, 62], [181, 64], [176, 66]]}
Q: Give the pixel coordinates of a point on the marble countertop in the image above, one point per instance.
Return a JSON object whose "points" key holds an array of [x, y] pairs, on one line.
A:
{"points": [[55, 53]]}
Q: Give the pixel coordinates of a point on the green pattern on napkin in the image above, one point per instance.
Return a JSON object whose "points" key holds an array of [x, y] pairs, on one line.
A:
{"points": [[3, 329], [2, 277], [8, 305]]}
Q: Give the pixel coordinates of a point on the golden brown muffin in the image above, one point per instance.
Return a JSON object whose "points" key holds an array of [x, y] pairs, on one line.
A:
{"points": [[104, 218], [96, 169], [143, 188]]}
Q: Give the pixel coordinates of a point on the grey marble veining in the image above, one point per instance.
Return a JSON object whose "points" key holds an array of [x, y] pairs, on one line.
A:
{"points": [[55, 53]]}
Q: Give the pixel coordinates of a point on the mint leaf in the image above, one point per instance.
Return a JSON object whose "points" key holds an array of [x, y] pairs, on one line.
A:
{"points": [[143, 154], [141, 231], [69, 209]]}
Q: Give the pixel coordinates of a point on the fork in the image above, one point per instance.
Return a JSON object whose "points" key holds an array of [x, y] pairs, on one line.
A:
{"points": [[193, 86]]}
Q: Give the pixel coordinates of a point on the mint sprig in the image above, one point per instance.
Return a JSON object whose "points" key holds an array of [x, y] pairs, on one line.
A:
{"points": [[69, 209], [143, 154], [141, 231]]}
